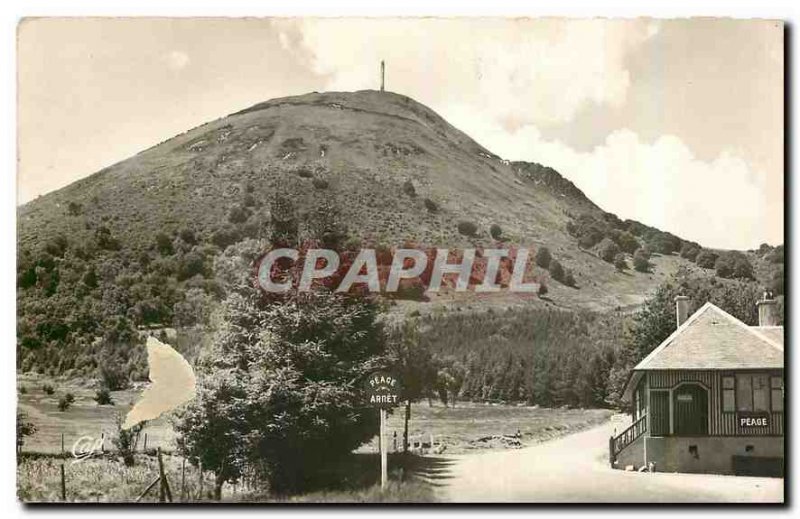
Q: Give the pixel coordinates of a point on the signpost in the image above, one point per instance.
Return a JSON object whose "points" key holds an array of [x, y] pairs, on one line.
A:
{"points": [[383, 391]]}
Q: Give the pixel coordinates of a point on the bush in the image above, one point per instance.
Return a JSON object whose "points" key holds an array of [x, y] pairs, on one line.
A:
{"points": [[619, 262], [706, 259], [69, 397], [408, 188], [164, 244], [734, 264], [48, 389], [542, 289], [627, 242], [776, 256], [188, 236], [641, 261], [304, 173], [431, 206], [608, 250], [126, 441], [467, 228], [113, 378], [689, 251], [320, 183], [543, 257], [557, 271], [24, 428], [238, 214], [64, 403], [23, 390], [569, 279], [496, 231], [103, 397]]}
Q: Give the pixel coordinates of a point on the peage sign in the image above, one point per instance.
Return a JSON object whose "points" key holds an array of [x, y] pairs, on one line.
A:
{"points": [[383, 390]]}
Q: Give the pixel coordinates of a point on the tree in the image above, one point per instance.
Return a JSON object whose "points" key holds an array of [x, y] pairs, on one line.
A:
{"points": [[569, 279], [619, 262], [557, 271], [126, 440], [164, 244], [281, 391], [627, 242], [641, 261], [608, 250], [543, 257], [414, 365], [734, 264], [25, 428], [706, 259], [690, 251], [496, 231]]}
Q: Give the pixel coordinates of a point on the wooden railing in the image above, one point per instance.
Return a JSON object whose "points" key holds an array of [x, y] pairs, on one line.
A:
{"points": [[626, 437]]}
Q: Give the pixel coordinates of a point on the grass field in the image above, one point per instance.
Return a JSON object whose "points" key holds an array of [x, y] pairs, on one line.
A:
{"points": [[468, 427], [472, 426]]}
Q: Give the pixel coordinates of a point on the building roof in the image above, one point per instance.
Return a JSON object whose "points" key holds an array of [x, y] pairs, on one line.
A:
{"points": [[712, 339]]}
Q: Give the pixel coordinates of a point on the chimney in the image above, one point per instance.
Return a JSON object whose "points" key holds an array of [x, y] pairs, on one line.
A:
{"points": [[681, 309], [766, 311]]}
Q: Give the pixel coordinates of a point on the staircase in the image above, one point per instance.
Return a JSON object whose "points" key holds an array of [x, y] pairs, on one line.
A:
{"points": [[625, 438]]}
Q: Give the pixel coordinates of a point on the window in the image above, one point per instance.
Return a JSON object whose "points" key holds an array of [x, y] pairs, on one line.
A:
{"points": [[776, 388], [728, 394], [744, 392], [752, 392]]}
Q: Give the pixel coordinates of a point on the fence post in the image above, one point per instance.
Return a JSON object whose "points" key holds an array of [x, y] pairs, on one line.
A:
{"points": [[62, 444], [183, 479], [103, 442], [63, 484], [145, 444], [200, 466]]}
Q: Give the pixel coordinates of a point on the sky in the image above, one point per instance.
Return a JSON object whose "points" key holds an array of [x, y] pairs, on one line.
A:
{"points": [[675, 123]]}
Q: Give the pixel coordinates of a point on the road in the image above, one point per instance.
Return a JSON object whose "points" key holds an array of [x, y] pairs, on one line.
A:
{"points": [[574, 469]]}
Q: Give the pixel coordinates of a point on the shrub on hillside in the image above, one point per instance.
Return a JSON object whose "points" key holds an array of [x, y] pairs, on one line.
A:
{"points": [[619, 262], [113, 377], [569, 279], [689, 251], [103, 397], [408, 188], [608, 250], [164, 244], [734, 264], [496, 231], [467, 228], [626, 241], [776, 255], [556, 271], [706, 259], [430, 205], [543, 257], [64, 403], [238, 214], [641, 261], [48, 389], [320, 183]]}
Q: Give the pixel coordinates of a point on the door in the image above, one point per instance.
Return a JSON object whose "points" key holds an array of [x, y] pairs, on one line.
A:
{"points": [[690, 405]]}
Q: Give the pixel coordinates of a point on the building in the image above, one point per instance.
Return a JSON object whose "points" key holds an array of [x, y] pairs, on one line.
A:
{"points": [[709, 398]]}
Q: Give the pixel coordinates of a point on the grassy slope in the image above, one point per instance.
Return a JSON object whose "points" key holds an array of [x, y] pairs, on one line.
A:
{"points": [[366, 145]]}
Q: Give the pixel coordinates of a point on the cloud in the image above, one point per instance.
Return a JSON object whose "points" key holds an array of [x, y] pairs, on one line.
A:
{"points": [[565, 63], [176, 60], [718, 203]]}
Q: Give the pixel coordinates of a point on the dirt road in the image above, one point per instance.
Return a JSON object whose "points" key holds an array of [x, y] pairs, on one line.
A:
{"points": [[575, 469]]}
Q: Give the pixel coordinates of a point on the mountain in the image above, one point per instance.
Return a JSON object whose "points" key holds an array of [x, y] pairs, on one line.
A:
{"points": [[138, 239]]}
